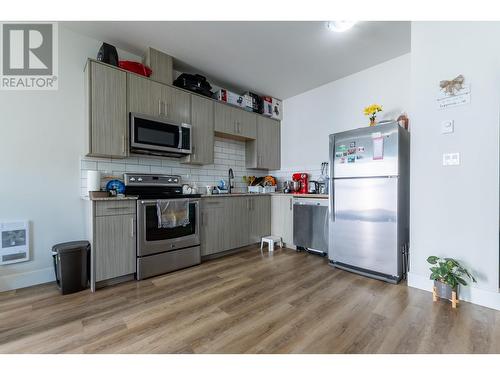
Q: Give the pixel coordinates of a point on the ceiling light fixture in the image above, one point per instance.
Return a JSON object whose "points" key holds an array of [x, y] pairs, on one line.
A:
{"points": [[340, 26]]}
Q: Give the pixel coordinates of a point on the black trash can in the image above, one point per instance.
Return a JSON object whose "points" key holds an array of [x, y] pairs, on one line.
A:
{"points": [[72, 265]]}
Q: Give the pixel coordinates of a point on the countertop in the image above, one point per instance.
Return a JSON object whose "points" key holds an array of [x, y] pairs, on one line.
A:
{"points": [[124, 198], [316, 196]]}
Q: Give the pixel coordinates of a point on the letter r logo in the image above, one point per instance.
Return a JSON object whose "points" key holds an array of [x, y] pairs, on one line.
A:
{"points": [[27, 49]]}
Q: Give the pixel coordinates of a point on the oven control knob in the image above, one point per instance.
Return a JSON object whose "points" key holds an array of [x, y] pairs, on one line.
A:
{"points": [[132, 179], [176, 180], [139, 179], [169, 180]]}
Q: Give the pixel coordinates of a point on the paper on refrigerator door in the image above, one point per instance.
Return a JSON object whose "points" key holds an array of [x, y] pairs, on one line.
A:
{"points": [[378, 146]]}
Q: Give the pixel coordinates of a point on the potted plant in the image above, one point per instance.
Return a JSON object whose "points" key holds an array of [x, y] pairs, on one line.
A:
{"points": [[372, 111], [447, 274]]}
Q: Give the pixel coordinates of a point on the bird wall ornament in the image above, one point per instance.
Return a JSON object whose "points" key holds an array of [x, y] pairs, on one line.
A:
{"points": [[453, 86]]}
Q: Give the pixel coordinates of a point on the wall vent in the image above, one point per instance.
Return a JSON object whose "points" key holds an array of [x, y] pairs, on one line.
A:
{"points": [[15, 242]]}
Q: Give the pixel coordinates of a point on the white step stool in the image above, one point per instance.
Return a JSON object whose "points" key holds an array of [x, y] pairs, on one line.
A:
{"points": [[271, 240]]}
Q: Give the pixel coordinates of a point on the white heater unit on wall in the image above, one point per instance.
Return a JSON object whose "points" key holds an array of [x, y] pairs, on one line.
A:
{"points": [[15, 242]]}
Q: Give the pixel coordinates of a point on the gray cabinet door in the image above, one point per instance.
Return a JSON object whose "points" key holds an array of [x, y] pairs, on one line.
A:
{"points": [[246, 124], [214, 233], [282, 217], [238, 212], [264, 152], [224, 121], [108, 111], [115, 240], [176, 105], [259, 218], [144, 96], [202, 122]]}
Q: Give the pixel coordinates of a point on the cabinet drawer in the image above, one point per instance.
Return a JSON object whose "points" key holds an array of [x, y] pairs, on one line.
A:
{"points": [[119, 207]]}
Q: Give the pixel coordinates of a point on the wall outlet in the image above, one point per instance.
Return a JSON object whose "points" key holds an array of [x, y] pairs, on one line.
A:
{"points": [[447, 127], [451, 159]]}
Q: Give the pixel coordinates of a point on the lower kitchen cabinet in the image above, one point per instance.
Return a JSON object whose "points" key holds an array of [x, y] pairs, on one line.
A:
{"points": [[259, 218], [232, 222], [113, 240], [282, 217], [213, 230]]}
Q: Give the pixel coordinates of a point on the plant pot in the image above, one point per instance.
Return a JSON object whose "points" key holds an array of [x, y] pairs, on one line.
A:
{"points": [[373, 122], [444, 290]]}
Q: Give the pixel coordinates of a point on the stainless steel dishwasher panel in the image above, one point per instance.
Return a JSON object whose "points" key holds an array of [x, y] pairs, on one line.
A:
{"points": [[310, 223]]}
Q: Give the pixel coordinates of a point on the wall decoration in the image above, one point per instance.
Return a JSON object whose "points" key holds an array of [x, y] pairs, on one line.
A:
{"points": [[453, 93]]}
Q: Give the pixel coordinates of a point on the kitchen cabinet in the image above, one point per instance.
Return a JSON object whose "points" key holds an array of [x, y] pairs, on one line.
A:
{"points": [[113, 240], [144, 96], [234, 221], [106, 97], [235, 122], [202, 122], [282, 217], [264, 152], [214, 233], [259, 218], [156, 99]]}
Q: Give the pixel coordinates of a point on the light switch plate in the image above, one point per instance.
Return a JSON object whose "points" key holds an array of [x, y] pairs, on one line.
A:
{"points": [[451, 159], [447, 127]]}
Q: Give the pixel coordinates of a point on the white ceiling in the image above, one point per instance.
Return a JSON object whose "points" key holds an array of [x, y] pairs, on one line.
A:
{"points": [[281, 59]]}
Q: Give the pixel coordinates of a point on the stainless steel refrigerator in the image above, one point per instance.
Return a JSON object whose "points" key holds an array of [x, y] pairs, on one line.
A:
{"points": [[369, 201]]}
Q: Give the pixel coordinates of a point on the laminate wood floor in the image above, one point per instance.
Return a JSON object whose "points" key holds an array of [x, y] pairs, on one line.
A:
{"points": [[245, 303]]}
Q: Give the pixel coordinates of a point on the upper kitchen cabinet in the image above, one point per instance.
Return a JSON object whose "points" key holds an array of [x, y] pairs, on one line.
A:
{"points": [[235, 122], [156, 99], [106, 96], [202, 122], [144, 96], [264, 152]]}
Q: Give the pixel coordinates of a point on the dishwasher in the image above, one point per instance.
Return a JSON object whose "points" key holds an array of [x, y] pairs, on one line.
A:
{"points": [[310, 225]]}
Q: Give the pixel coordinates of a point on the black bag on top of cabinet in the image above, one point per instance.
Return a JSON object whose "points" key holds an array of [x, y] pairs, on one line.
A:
{"points": [[108, 54], [194, 82]]}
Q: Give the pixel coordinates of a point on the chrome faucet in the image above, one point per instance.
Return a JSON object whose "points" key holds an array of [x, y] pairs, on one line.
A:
{"points": [[231, 178]]}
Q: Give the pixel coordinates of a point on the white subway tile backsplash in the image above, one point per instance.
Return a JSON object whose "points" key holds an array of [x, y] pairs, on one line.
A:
{"points": [[227, 154]]}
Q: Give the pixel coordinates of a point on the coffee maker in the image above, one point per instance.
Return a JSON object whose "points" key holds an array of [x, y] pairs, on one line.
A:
{"points": [[302, 180]]}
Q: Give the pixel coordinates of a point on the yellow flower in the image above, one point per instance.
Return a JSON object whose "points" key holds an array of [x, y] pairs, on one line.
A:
{"points": [[372, 109]]}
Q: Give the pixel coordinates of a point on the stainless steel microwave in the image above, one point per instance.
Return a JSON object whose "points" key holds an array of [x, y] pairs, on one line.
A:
{"points": [[159, 136]]}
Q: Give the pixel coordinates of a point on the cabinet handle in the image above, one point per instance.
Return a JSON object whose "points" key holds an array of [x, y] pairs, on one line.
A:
{"points": [[193, 153], [124, 143], [159, 108], [291, 206], [166, 108], [132, 229]]}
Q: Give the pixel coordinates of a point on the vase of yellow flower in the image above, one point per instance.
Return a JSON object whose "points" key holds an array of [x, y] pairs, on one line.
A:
{"points": [[371, 111]]}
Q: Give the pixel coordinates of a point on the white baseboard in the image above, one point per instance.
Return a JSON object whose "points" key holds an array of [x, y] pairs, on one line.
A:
{"points": [[480, 297], [22, 280]]}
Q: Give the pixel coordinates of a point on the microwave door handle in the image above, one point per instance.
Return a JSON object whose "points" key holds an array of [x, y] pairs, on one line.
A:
{"points": [[179, 146]]}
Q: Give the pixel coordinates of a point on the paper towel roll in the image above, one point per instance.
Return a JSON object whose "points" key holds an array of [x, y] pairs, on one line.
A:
{"points": [[93, 180]]}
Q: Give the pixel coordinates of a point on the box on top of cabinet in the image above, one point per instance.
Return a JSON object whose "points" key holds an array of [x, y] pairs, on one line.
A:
{"points": [[277, 109], [230, 97], [253, 102], [267, 109], [161, 64]]}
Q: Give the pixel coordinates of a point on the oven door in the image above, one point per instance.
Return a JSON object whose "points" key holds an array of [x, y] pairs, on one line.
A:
{"points": [[154, 134], [154, 240]]}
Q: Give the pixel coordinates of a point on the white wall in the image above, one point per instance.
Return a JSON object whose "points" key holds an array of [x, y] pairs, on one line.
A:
{"points": [[455, 210], [41, 141], [310, 117]]}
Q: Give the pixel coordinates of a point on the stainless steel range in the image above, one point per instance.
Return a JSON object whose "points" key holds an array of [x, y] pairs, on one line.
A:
{"points": [[163, 249]]}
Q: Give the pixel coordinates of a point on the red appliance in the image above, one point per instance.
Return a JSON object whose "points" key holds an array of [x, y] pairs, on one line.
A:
{"points": [[303, 179], [135, 67]]}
